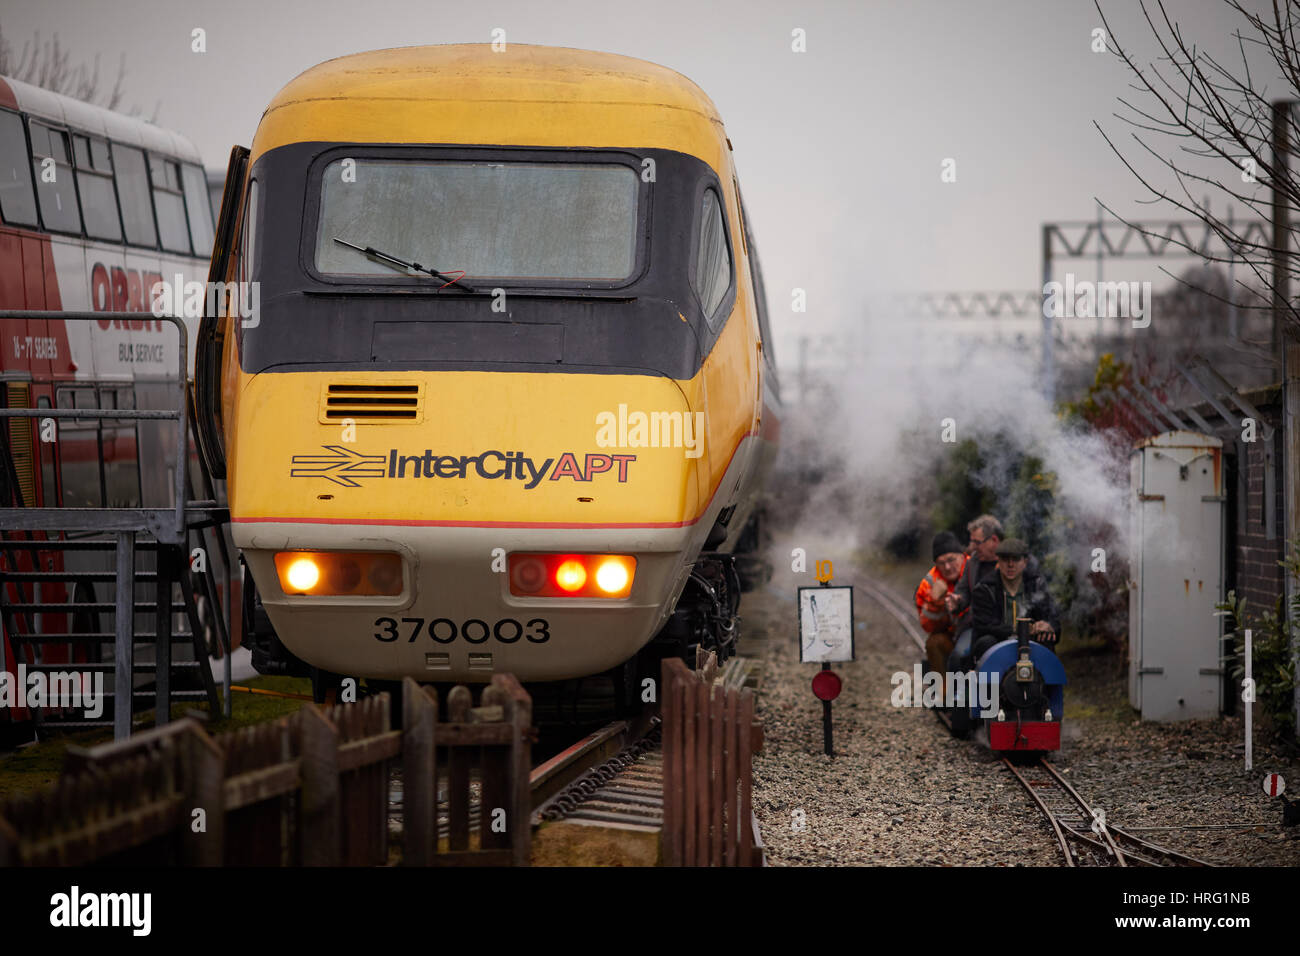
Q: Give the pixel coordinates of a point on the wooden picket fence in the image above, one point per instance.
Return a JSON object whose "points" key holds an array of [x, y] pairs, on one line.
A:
{"points": [[710, 738], [311, 789]]}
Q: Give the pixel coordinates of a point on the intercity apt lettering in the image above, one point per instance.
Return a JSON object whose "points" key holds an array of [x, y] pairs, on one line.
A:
{"points": [[345, 466], [510, 466]]}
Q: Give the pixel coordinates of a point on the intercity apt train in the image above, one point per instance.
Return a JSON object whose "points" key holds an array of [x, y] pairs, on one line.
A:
{"points": [[506, 400]]}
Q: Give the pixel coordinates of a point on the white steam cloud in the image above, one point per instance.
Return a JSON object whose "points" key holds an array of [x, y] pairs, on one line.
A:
{"points": [[861, 452]]}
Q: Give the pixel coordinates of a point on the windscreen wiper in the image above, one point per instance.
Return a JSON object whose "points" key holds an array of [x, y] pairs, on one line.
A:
{"points": [[385, 257]]}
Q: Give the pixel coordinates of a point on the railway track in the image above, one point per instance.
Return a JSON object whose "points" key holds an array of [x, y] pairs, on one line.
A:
{"points": [[1084, 835], [1081, 827], [611, 777], [614, 777], [623, 791]]}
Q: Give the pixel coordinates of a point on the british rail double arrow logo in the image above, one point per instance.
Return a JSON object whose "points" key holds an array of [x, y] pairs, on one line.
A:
{"points": [[340, 466]]}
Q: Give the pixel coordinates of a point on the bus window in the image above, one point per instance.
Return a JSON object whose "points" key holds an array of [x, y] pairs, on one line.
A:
{"points": [[80, 452], [169, 204], [133, 193], [49, 496], [121, 461], [95, 183], [196, 203], [17, 197], [54, 187]]}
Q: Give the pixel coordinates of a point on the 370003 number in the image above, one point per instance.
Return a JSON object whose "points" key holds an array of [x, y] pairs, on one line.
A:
{"points": [[444, 630]]}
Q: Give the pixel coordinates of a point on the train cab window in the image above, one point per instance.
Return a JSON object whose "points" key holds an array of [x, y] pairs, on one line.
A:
{"points": [[760, 293], [52, 167], [712, 257], [509, 220], [95, 183], [133, 193], [17, 195], [248, 236], [196, 205], [169, 202]]}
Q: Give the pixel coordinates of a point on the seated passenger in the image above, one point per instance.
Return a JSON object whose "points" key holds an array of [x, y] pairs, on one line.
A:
{"points": [[1014, 592], [985, 536], [949, 562]]}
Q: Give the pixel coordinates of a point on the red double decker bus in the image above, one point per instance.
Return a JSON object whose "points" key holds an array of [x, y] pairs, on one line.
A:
{"points": [[95, 207]]}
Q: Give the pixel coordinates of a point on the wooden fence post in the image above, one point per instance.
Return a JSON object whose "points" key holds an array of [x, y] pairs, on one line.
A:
{"points": [[717, 698], [519, 714], [495, 774], [419, 774], [668, 724], [8, 844], [320, 789], [746, 755], [459, 704], [701, 695], [731, 737], [204, 768]]}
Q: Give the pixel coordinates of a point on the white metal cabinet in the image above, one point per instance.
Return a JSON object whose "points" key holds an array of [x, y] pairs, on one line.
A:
{"points": [[1176, 536]]}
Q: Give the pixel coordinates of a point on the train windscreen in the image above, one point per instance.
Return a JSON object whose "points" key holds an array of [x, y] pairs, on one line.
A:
{"points": [[500, 220]]}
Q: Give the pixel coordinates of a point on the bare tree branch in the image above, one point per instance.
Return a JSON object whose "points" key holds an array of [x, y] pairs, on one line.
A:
{"points": [[48, 65], [1210, 126]]}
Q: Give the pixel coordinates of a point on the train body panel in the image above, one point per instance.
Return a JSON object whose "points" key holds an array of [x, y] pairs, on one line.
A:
{"points": [[451, 577]]}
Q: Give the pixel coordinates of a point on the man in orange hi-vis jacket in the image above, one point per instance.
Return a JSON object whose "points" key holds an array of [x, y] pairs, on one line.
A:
{"points": [[949, 562]]}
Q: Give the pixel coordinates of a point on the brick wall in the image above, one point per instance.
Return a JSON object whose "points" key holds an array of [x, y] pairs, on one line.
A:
{"points": [[1258, 577]]}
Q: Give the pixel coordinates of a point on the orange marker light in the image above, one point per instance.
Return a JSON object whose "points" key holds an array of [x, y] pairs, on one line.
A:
{"points": [[571, 576], [303, 574], [354, 573]]}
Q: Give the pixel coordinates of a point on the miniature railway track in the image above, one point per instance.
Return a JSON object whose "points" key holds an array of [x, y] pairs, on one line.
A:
{"points": [[1079, 826], [1075, 824], [1071, 818], [895, 607]]}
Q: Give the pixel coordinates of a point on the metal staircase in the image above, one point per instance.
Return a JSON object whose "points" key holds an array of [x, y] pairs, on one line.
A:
{"points": [[135, 595]]}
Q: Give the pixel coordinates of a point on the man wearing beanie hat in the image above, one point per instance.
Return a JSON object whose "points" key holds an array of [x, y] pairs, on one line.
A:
{"points": [[949, 562]]}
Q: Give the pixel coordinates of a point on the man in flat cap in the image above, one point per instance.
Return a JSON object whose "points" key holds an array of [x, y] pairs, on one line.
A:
{"points": [[1012, 593]]}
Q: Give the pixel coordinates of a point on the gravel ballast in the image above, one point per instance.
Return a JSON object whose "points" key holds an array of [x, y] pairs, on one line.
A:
{"points": [[901, 791]]}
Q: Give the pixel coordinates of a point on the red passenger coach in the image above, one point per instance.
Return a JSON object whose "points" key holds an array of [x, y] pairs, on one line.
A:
{"points": [[95, 207]]}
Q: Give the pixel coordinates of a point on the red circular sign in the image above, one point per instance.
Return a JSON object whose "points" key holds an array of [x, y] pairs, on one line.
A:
{"points": [[826, 685]]}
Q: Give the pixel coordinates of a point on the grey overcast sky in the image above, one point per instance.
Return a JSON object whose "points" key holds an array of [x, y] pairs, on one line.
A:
{"points": [[839, 148]]}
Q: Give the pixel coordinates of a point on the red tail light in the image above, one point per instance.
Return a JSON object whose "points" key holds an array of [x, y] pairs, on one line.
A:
{"points": [[572, 575]]}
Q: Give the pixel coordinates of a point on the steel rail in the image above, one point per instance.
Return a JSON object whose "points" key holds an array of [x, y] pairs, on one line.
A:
{"points": [[895, 607], [1087, 809], [1047, 812], [1173, 856]]}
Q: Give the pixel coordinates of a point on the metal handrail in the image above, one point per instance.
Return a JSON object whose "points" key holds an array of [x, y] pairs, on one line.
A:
{"points": [[180, 414]]}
